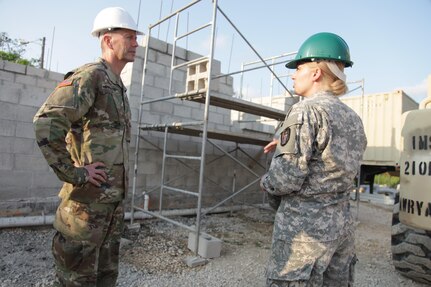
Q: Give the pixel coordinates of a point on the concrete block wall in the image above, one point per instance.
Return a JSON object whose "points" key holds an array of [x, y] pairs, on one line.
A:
{"points": [[186, 79], [23, 170], [255, 123], [27, 182]]}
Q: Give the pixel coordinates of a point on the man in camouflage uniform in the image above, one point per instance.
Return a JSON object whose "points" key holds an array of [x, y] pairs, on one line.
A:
{"points": [[316, 158], [83, 130]]}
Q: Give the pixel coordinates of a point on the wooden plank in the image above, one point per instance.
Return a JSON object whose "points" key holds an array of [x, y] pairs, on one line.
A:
{"points": [[253, 139], [235, 104]]}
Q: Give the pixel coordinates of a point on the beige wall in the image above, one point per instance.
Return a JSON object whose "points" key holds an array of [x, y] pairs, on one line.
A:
{"points": [[382, 118]]}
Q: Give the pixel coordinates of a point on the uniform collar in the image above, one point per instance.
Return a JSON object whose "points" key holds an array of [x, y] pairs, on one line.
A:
{"points": [[322, 94], [112, 76]]}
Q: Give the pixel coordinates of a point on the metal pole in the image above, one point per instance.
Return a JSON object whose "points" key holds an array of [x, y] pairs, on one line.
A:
{"points": [[139, 13], [172, 14], [254, 50], [138, 131], [162, 179], [241, 82], [42, 56], [205, 127], [174, 46], [232, 195], [271, 86], [233, 188], [52, 48]]}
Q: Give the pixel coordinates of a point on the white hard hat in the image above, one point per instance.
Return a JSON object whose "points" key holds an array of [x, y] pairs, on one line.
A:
{"points": [[111, 18]]}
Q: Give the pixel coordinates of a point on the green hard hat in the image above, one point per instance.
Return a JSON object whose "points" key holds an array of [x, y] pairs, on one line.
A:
{"points": [[324, 46]]}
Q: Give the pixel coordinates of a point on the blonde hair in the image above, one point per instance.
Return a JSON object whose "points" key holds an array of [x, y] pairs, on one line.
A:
{"points": [[335, 85]]}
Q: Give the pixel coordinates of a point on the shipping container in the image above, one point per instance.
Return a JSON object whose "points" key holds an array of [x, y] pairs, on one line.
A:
{"points": [[381, 115]]}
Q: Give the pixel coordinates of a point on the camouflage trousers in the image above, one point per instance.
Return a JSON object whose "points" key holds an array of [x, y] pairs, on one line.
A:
{"points": [[86, 245], [312, 264]]}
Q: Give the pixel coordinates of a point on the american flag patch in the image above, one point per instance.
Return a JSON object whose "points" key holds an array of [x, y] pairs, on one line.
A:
{"points": [[65, 83]]}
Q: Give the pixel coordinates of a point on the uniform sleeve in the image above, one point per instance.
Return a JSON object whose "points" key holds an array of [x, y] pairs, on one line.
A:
{"points": [[274, 201], [66, 105], [302, 136]]}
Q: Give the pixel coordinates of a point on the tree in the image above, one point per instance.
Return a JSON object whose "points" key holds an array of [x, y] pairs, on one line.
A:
{"points": [[12, 50]]}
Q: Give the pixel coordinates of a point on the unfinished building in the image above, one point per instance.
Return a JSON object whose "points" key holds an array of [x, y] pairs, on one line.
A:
{"points": [[196, 147]]}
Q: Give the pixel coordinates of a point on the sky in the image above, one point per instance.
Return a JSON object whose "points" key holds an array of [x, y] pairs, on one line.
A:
{"points": [[389, 40]]}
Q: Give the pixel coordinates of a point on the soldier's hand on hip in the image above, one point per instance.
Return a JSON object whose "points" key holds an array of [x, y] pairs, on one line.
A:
{"points": [[96, 173]]}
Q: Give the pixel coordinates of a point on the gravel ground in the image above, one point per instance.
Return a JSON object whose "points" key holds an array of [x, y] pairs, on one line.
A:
{"points": [[154, 255]]}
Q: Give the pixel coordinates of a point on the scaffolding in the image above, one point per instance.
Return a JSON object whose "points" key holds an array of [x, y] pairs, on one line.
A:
{"points": [[198, 88]]}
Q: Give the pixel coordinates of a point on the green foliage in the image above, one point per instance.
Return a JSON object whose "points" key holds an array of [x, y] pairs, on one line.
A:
{"points": [[12, 50], [8, 56], [387, 179]]}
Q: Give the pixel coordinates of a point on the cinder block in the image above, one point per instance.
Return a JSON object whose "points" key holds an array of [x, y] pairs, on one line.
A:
{"points": [[157, 69], [7, 127], [182, 111], [225, 89], [25, 113], [6, 144], [151, 55], [197, 76], [6, 161], [185, 146], [209, 246], [197, 114], [23, 146], [48, 84], [24, 130], [140, 53], [159, 45], [178, 86], [222, 127], [163, 59], [161, 82], [46, 178], [134, 102], [179, 75], [26, 80], [13, 67], [29, 162], [162, 107], [149, 168], [57, 77], [39, 73], [180, 53], [152, 180], [153, 92], [10, 92], [216, 118], [34, 96], [8, 111], [7, 76]]}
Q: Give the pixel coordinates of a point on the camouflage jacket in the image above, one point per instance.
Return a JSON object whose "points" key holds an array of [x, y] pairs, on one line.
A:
{"points": [[86, 119], [321, 143]]}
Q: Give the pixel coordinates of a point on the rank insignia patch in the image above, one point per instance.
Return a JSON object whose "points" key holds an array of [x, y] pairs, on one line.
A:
{"points": [[284, 137]]}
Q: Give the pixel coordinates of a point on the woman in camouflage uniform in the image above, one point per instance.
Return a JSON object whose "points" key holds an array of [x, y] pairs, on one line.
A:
{"points": [[316, 159], [83, 130]]}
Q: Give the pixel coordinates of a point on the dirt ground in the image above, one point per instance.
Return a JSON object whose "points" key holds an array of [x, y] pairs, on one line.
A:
{"points": [[154, 255]]}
